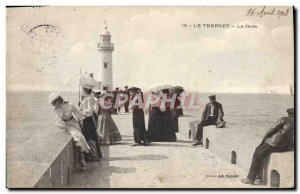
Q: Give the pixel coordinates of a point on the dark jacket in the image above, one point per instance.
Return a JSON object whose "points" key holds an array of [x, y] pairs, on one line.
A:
{"points": [[217, 111], [128, 95], [281, 135]]}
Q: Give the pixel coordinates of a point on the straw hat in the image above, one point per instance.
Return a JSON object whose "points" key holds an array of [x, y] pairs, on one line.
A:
{"points": [[96, 90], [88, 86], [53, 96]]}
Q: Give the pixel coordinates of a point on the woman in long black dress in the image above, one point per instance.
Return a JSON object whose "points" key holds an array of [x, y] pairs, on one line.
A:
{"points": [[168, 132], [175, 113], [155, 125], [138, 118]]}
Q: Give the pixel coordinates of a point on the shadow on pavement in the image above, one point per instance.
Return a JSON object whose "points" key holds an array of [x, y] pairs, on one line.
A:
{"points": [[98, 174], [183, 141], [141, 157], [169, 145]]}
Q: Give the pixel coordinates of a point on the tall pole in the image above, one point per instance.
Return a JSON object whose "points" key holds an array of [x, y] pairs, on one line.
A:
{"points": [[79, 88]]}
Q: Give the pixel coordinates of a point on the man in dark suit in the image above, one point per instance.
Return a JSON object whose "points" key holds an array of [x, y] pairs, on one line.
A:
{"points": [[127, 102], [212, 115], [278, 138], [116, 100]]}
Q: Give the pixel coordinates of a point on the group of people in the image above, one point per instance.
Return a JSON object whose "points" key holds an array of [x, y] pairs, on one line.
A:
{"points": [[163, 119], [92, 125], [118, 99]]}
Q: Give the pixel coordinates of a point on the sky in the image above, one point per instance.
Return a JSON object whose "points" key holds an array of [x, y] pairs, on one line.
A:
{"points": [[152, 47]]}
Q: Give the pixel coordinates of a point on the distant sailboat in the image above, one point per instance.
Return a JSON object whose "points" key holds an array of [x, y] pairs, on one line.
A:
{"points": [[291, 90]]}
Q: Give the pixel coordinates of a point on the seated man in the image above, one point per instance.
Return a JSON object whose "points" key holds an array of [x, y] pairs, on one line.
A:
{"points": [[212, 115], [280, 137]]}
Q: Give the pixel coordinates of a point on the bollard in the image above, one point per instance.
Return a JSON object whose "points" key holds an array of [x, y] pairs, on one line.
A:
{"points": [[233, 157], [275, 179], [206, 143], [193, 130]]}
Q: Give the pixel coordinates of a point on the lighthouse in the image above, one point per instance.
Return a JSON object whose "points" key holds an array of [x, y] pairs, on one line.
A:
{"points": [[105, 47]]}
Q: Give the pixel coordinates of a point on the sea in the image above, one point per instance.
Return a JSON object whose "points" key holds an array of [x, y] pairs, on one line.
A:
{"points": [[29, 114]]}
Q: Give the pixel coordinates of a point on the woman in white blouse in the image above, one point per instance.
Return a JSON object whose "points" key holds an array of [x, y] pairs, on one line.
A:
{"points": [[107, 129], [67, 118], [88, 129]]}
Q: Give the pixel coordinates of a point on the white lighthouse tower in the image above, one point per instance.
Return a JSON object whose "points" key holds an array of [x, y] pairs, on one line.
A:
{"points": [[105, 67]]}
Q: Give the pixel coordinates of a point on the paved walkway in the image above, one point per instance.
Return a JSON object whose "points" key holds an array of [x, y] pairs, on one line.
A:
{"points": [[160, 165]]}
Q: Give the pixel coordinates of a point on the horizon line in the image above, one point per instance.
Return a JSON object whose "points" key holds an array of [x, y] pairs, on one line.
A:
{"points": [[206, 92]]}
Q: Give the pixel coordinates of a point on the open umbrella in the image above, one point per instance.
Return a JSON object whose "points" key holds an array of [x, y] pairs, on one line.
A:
{"points": [[159, 88], [177, 89], [80, 79]]}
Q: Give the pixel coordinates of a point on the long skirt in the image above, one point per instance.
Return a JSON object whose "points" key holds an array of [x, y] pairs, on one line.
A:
{"points": [[90, 134], [139, 129], [79, 140], [175, 114], [155, 127], [107, 130], [175, 123], [95, 119], [168, 133]]}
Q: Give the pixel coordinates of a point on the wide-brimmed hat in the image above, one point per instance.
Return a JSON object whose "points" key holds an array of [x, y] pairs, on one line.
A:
{"points": [[134, 89], [88, 86], [52, 97], [107, 97], [96, 90]]}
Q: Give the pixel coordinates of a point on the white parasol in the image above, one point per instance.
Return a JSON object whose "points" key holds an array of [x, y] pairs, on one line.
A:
{"points": [[78, 80], [81, 79], [158, 88]]}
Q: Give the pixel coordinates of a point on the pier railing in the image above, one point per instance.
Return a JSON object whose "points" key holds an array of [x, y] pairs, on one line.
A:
{"points": [[44, 161]]}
